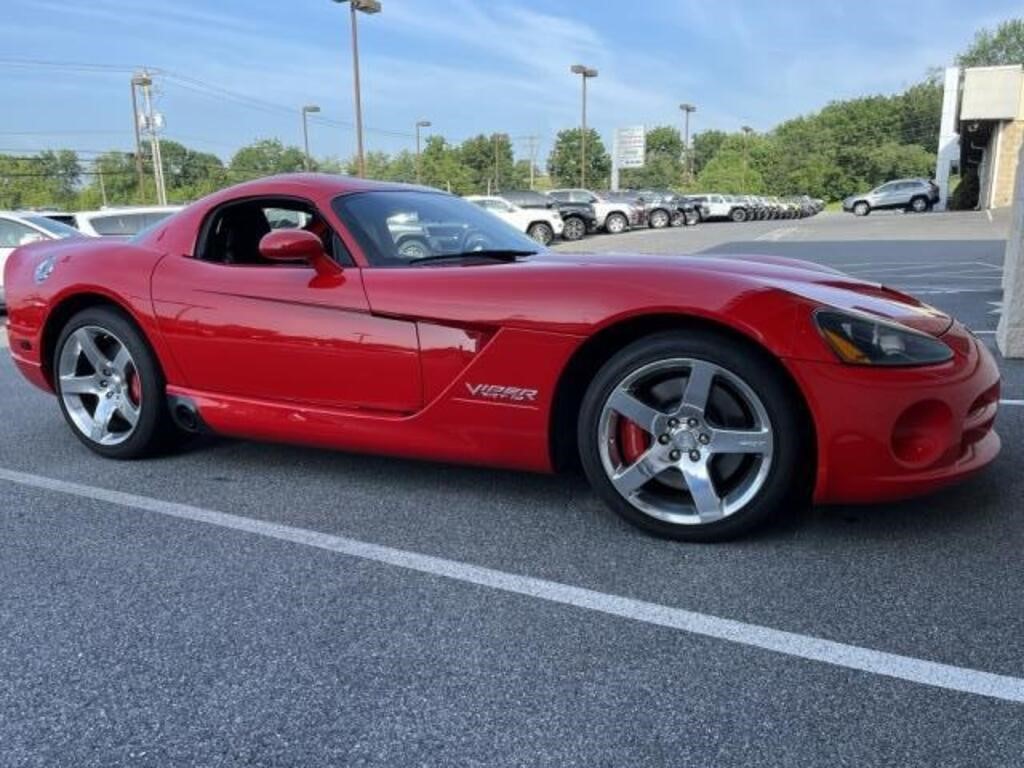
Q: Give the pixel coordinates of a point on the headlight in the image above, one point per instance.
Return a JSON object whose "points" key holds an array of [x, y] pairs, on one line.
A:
{"points": [[863, 340]]}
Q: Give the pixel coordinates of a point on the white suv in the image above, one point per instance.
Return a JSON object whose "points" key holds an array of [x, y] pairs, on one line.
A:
{"points": [[542, 224], [116, 222], [19, 228], [614, 216]]}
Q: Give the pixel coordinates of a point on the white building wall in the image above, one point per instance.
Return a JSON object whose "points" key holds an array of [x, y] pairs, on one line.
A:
{"points": [[949, 140]]}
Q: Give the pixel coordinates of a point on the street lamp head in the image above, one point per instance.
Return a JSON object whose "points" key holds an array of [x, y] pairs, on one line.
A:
{"points": [[311, 108], [687, 107], [423, 124], [746, 129], [579, 69], [366, 6]]}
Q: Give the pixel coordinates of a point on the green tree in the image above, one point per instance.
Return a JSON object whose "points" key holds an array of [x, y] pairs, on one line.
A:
{"points": [[705, 145], [442, 167], [264, 158], [50, 178], [1003, 46], [490, 162], [564, 160]]}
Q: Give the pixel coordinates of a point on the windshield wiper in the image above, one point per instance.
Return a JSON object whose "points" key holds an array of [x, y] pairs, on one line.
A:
{"points": [[507, 255]]}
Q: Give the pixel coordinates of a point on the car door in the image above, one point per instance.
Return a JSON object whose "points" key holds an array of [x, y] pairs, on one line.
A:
{"points": [[884, 196], [240, 326]]}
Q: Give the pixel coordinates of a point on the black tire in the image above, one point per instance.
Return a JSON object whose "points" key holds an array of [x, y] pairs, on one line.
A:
{"points": [[739, 215], [575, 228], [154, 431], [541, 232], [691, 218], [678, 219], [918, 205], [659, 219], [615, 223], [413, 248], [787, 486], [861, 208]]}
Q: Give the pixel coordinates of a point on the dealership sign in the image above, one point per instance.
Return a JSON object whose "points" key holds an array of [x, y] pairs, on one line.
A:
{"points": [[630, 147]]}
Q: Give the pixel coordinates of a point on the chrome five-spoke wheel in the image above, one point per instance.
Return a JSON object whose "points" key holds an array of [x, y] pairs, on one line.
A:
{"points": [[99, 385], [696, 434], [685, 441]]}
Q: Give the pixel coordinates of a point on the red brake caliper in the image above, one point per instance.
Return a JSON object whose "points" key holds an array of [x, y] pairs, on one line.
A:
{"points": [[634, 441], [135, 387]]}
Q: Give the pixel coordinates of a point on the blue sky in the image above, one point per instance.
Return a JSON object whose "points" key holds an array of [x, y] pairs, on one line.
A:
{"points": [[469, 66]]}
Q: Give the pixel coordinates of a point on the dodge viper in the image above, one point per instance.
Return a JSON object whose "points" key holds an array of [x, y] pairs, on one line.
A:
{"points": [[700, 395]]}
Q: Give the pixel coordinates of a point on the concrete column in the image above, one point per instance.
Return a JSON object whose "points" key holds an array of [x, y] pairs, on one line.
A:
{"points": [[1010, 333], [949, 139]]}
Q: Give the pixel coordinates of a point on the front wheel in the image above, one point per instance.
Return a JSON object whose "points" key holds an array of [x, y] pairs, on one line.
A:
{"points": [[861, 209], [574, 228], [659, 219], [693, 436], [541, 232], [615, 223], [739, 215], [110, 386]]}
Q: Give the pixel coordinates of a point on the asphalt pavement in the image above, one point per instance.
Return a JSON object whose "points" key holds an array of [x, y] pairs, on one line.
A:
{"points": [[250, 604]]}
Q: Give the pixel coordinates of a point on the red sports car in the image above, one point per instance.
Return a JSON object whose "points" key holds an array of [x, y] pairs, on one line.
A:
{"points": [[699, 394]]}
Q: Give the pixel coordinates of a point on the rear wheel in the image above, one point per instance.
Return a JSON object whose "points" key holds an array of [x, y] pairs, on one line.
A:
{"points": [[919, 204], [109, 385], [690, 218], [738, 215], [615, 223], [693, 436], [574, 229], [541, 232], [659, 219]]}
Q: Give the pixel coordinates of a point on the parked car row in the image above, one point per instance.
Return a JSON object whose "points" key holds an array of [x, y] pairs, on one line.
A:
{"points": [[741, 208], [575, 213]]}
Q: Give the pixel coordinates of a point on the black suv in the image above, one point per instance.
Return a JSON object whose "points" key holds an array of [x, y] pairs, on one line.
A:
{"points": [[665, 207], [579, 218]]}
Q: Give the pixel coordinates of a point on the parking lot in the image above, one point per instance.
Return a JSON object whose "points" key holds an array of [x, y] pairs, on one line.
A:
{"points": [[244, 603]]}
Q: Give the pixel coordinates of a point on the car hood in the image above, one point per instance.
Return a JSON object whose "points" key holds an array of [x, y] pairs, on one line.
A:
{"points": [[814, 282]]}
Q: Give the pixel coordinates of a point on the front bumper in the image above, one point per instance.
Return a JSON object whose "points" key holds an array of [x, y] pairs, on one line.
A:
{"points": [[885, 434]]}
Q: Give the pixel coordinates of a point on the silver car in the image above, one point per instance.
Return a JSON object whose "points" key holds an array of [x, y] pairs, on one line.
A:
{"points": [[917, 195]]}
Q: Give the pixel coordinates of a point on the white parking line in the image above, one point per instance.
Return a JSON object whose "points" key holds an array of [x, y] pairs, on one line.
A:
{"points": [[1011, 402], [776, 234], [807, 647]]}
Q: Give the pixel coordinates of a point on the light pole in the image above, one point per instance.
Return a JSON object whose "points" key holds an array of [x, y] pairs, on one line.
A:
{"points": [[138, 142], [307, 110], [366, 6], [687, 109], [419, 124], [585, 73], [747, 130]]}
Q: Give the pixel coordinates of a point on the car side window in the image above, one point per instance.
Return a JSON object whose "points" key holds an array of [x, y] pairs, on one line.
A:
{"points": [[14, 233], [232, 233]]}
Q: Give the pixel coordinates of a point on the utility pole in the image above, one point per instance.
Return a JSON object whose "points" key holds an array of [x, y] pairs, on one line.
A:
{"points": [[366, 6], [687, 109], [103, 186], [747, 130], [497, 162], [585, 73], [419, 124], [307, 110], [152, 122], [139, 172], [531, 143]]}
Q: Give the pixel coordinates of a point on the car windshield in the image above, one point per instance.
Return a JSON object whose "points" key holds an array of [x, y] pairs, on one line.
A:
{"points": [[398, 228], [55, 228]]}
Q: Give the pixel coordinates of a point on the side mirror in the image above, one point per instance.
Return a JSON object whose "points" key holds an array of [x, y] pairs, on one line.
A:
{"points": [[298, 245]]}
